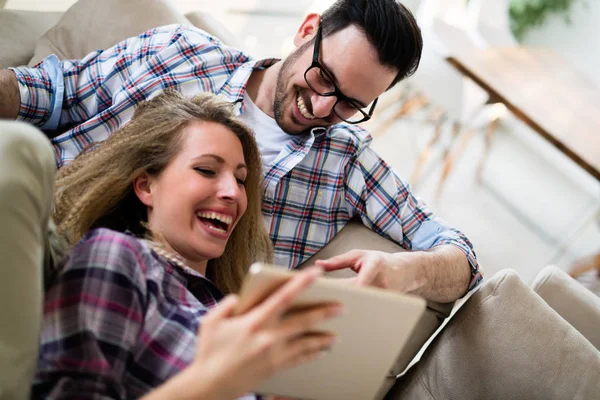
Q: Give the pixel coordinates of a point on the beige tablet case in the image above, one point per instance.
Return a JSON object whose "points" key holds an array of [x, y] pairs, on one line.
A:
{"points": [[371, 333]]}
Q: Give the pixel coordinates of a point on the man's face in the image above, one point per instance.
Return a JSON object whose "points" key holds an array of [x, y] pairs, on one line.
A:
{"points": [[349, 58]]}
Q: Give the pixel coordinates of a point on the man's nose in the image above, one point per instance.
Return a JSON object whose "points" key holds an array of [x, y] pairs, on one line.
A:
{"points": [[322, 106]]}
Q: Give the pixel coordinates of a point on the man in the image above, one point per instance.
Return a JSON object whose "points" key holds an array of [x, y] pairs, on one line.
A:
{"points": [[319, 171]]}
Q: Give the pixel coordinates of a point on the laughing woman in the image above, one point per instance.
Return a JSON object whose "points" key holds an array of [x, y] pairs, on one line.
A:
{"points": [[164, 218]]}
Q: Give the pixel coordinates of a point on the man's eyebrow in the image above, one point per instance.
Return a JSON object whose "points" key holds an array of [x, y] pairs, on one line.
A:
{"points": [[218, 159], [337, 83]]}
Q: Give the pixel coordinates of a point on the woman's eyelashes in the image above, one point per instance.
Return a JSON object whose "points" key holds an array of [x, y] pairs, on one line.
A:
{"points": [[206, 171], [241, 181], [210, 173]]}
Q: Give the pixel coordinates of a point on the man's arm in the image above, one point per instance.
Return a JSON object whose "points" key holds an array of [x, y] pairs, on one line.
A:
{"points": [[9, 95], [59, 95], [441, 265], [441, 274]]}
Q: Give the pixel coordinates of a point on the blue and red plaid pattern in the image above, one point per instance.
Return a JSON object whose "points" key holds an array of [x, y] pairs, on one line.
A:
{"points": [[319, 182], [119, 320]]}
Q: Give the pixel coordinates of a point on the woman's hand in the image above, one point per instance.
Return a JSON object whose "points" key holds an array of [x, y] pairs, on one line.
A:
{"points": [[237, 352]]}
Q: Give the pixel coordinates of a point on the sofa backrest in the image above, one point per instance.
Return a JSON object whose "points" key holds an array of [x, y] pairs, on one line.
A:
{"points": [[27, 37], [19, 31]]}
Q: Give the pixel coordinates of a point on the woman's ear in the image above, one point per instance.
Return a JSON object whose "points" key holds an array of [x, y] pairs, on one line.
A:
{"points": [[307, 29], [142, 185]]}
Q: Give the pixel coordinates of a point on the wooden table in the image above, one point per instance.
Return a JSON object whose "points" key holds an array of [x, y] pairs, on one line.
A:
{"points": [[546, 92]]}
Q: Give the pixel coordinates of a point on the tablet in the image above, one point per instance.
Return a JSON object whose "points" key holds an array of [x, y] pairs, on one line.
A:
{"points": [[371, 333]]}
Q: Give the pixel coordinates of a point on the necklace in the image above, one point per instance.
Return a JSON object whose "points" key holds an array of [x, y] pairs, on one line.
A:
{"points": [[174, 258]]}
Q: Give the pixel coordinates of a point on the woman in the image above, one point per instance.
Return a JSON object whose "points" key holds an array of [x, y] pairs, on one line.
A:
{"points": [[162, 213]]}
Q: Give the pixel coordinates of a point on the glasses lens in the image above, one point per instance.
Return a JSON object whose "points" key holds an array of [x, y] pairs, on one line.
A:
{"points": [[319, 81], [349, 112]]}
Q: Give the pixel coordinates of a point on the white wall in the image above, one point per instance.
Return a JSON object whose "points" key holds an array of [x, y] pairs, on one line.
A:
{"points": [[579, 41]]}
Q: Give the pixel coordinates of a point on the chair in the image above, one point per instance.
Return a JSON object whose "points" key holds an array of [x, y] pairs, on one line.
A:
{"points": [[490, 21], [463, 102], [449, 27]]}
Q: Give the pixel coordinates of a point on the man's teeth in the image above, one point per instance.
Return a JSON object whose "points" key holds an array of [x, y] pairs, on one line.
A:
{"points": [[302, 108], [226, 219]]}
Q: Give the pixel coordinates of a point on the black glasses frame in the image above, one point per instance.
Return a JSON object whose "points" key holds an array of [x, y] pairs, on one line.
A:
{"points": [[336, 91]]}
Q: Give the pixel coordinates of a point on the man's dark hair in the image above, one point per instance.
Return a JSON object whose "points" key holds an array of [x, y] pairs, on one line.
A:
{"points": [[389, 26]]}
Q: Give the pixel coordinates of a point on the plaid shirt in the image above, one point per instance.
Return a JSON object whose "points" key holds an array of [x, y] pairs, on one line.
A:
{"points": [[314, 187], [119, 320]]}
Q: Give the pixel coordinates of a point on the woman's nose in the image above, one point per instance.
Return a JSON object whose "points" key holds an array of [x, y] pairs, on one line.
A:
{"points": [[229, 188]]}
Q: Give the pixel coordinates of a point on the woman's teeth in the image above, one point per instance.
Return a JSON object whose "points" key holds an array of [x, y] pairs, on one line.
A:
{"points": [[224, 220], [302, 108], [213, 215], [214, 228]]}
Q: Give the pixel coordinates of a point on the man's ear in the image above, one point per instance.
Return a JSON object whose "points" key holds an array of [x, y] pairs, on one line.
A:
{"points": [[307, 29], [142, 185]]}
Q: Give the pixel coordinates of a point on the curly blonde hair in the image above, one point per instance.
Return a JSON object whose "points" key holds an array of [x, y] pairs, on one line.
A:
{"points": [[96, 189]]}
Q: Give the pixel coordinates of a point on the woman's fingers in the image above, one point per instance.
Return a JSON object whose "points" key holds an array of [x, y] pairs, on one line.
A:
{"points": [[224, 309], [281, 300], [305, 348], [301, 321]]}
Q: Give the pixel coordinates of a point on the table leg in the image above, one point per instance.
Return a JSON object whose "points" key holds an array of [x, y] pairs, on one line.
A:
{"points": [[450, 159], [588, 263], [489, 135], [426, 153]]}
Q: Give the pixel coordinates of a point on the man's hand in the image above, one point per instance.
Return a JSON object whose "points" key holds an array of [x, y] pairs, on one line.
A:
{"points": [[10, 99], [375, 268], [441, 274], [372, 267]]}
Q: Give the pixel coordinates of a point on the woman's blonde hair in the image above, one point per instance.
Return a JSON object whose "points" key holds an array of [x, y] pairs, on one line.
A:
{"points": [[96, 189]]}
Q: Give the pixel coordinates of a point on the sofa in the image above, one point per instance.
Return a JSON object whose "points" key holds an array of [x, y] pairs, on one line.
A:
{"points": [[26, 37]]}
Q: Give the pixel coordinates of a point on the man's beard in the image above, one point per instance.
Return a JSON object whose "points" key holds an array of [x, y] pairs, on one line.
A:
{"points": [[280, 90]]}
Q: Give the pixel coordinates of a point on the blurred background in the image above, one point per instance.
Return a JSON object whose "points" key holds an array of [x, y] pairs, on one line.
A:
{"points": [[523, 203]]}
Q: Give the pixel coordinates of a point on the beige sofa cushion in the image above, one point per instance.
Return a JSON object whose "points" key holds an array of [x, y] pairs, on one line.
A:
{"points": [[576, 304], [210, 24], [19, 30], [92, 25]]}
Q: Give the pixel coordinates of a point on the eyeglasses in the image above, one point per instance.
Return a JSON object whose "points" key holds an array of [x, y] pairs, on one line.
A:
{"points": [[321, 82]]}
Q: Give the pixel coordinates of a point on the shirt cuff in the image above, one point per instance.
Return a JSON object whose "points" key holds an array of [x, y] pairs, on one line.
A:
{"points": [[41, 90], [432, 233]]}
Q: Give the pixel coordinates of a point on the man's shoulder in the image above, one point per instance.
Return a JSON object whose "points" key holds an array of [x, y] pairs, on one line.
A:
{"points": [[187, 35], [355, 135]]}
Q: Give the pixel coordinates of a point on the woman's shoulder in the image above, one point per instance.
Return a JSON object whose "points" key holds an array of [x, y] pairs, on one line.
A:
{"points": [[113, 241], [106, 249]]}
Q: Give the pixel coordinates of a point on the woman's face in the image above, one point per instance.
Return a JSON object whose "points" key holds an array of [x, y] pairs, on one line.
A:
{"points": [[198, 199]]}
